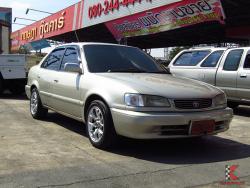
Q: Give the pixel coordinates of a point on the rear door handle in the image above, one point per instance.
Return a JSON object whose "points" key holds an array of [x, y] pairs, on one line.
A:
{"points": [[243, 75], [56, 81]]}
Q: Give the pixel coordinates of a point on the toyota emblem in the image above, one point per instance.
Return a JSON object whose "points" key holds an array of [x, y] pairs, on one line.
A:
{"points": [[196, 104]]}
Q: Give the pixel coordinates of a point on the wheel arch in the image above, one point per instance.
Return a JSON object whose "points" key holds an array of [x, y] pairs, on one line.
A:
{"points": [[34, 85], [89, 99]]}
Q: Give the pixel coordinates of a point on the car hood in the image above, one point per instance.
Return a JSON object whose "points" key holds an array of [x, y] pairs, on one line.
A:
{"points": [[164, 85]]}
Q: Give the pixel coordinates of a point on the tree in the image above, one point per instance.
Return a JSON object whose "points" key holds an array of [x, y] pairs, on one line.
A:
{"points": [[176, 50]]}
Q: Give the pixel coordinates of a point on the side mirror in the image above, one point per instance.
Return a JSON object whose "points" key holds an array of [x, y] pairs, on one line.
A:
{"points": [[73, 67]]}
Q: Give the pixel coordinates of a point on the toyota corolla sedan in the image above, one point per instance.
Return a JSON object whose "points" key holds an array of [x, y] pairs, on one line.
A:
{"points": [[121, 91]]}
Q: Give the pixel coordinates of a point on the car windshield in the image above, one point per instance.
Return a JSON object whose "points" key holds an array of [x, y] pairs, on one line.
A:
{"points": [[191, 58], [111, 58]]}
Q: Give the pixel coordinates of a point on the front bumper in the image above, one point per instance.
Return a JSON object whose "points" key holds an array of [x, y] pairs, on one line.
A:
{"points": [[27, 91], [150, 125]]}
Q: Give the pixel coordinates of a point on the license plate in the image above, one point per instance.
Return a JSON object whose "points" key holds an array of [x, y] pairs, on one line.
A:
{"points": [[202, 127]]}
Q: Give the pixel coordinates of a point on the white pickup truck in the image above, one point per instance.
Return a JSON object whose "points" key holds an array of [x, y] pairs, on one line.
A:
{"points": [[13, 74], [228, 69]]}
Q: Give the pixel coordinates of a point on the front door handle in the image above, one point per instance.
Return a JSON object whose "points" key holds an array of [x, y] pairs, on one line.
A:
{"points": [[243, 75], [56, 81]]}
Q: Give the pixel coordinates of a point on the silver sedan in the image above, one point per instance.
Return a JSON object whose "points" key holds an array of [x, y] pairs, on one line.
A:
{"points": [[121, 91]]}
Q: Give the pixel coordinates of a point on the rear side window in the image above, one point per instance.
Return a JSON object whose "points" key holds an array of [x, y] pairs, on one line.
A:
{"points": [[213, 59], [247, 62], [233, 60], [191, 58], [70, 56], [53, 61]]}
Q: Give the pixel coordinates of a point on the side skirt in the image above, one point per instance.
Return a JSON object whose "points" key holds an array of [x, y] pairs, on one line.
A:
{"points": [[65, 114]]}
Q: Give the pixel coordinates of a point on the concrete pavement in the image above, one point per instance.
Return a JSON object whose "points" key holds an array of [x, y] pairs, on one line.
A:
{"points": [[56, 153]]}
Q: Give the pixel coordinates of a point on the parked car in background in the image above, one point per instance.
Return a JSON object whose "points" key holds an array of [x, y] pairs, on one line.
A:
{"points": [[119, 90], [13, 74], [228, 69]]}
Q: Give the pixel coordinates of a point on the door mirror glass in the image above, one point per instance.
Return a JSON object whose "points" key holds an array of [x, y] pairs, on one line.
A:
{"points": [[72, 67]]}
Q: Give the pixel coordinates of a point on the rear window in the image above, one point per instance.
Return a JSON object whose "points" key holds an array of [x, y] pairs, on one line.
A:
{"points": [[191, 58]]}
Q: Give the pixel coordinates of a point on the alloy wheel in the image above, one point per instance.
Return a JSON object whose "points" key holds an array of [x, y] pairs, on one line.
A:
{"points": [[95, 124], [34, 103]]}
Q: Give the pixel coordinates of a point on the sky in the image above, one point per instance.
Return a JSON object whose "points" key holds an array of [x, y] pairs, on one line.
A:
{"points": [[19, 8]]}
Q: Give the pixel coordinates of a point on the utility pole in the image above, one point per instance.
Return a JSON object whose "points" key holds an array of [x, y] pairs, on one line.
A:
{"points": [[166, 53]]}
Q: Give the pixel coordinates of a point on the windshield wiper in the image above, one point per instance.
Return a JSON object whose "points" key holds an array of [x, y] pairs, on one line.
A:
{"points": [[127, 70]]}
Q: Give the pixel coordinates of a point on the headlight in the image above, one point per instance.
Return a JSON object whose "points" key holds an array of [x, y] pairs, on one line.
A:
{"points": [[137, 100], [220, 100]]}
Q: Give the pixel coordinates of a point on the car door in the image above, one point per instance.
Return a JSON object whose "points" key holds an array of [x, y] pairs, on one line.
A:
{"points": [[46, 74], [243, 81], [209, 67], [66, 86], [186, 64], [228, 71]]}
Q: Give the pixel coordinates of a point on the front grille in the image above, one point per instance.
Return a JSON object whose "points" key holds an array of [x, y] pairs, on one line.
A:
{"points": [[193, 104]]}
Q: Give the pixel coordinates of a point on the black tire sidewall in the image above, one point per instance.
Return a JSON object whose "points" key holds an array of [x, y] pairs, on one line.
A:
{"points": [[41, 111]]}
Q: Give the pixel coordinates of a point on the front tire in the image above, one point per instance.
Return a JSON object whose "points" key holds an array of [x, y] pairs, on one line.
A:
{"points": [[100, 127], [36, 108]]}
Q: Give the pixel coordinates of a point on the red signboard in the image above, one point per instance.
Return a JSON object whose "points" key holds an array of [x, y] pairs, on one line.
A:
{"points": [[124, 18], [56, 24], [169, 17], [69, 19]]}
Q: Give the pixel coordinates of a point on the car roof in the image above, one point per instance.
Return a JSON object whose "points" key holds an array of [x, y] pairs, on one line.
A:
{"points": [[90, 43], [206, 48], [245, 48]]}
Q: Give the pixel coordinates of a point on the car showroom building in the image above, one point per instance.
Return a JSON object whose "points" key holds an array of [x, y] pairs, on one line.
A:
{"points": [[5, 29], [142, 23]]}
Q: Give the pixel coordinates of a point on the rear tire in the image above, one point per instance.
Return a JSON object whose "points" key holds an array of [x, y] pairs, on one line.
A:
{"points": [[36, 108], [99, 125]]}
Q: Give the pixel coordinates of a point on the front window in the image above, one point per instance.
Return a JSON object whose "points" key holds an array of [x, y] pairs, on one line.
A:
{"points": [[70, 56], [111, 58], [192, 58], [233, 60], [247, 62], [213, 59]]}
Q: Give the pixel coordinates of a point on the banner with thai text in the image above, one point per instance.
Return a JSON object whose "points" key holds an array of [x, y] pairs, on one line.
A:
{"points": [[169, 17]]}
